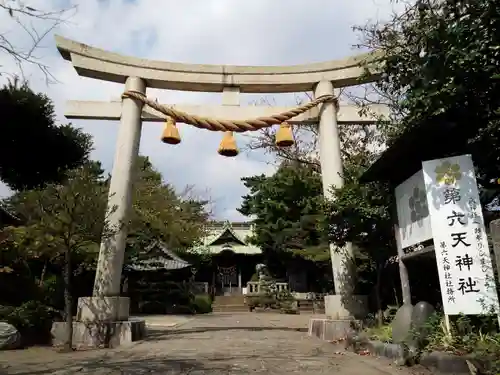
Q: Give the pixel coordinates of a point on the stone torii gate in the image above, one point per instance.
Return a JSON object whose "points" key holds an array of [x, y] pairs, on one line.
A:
{"points": [[323, 79]]}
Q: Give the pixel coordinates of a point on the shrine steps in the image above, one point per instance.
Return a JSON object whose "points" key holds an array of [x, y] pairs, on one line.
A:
{"points": [[230, 308], [234, 303], [310, 306]]}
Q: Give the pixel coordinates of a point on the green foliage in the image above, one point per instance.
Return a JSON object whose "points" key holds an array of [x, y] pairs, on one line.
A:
{"points": [[155, 295], [360, 213], [380, 333], [270, 298], [32, 319], [287, 207], [61, 217], [73, 214], [62, 221], [69, 218], [478, 338], [440, 61], [202, 304], [160, 213], [30, 138]]}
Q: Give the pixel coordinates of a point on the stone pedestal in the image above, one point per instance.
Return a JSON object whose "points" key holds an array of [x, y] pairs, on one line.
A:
{"points": [[330, 330], [101, 322], [350, 307], [100, 334], [104, 309]]}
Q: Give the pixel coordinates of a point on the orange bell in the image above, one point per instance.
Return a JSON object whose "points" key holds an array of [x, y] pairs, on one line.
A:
{"points": [[171, 134], [228, 146], [284, 136]]}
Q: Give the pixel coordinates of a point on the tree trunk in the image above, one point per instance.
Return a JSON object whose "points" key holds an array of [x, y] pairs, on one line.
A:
{"points": [[68, 302], [42, 275], [394, 290], [378, 297]]}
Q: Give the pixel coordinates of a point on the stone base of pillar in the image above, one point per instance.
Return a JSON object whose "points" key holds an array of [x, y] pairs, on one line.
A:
{"points": [[330, 330], [98, 309], [100, 334], [338, 307], [101, 322]]}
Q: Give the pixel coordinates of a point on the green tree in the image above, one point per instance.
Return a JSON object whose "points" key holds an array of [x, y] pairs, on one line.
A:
{"points": [[161, 213], [440, 61], [33, 149], [286, 208], [62, 221]]}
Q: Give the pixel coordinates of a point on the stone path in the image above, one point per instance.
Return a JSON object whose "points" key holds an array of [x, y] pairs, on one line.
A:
{"points": [[217, 344]]}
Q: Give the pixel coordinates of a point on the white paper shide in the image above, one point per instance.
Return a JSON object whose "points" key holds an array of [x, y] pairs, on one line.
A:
{"points": [[462, 254]]}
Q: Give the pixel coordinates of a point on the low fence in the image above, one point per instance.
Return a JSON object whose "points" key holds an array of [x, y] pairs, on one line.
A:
{"points": [[253, 288]]}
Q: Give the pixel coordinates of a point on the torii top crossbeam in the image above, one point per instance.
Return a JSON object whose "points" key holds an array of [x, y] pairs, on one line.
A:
{"points": [[108, 66]]}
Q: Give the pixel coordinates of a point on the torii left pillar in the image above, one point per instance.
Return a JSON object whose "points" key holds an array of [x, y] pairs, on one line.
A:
{"points": [[103, 319], [111, 254], [344, 304]]}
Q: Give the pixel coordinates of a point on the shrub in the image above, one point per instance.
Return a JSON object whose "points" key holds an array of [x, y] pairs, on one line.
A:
{"points": [[380, 333], [202, 304], [262, 301], [476, 337], [32, 319]]}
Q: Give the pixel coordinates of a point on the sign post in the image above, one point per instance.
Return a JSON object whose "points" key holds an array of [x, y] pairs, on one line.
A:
{"points": [[461, 246]]}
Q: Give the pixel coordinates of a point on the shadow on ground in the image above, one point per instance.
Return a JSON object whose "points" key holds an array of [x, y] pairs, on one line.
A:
{"points": [[158, 334], [104, 366]]}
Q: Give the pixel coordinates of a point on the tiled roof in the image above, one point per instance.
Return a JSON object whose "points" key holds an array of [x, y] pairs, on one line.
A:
{"points": [[168, 260], [240, 231]]}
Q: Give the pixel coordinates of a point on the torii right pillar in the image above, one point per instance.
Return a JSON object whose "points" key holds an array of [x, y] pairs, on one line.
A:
{"points": [[344, 304]]}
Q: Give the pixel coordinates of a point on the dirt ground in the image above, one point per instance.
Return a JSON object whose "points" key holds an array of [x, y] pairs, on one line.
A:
{"points": [[244, 343]]}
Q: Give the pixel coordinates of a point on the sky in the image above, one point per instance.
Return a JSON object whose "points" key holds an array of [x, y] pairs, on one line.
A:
{"points": [[257, 32]]}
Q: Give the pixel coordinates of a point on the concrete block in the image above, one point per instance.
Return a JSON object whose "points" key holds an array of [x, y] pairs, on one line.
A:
{"points": [[329, 330], [338, 308], [99, 309], [388, 350], [445, 363], [100, 334]]}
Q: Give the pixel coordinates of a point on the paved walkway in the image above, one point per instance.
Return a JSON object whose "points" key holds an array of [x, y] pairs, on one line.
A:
{"points": [[215, 344]]}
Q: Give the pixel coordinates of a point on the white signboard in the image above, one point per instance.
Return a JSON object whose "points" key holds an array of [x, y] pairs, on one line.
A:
{"points": [[462, 254], [413, 213]]}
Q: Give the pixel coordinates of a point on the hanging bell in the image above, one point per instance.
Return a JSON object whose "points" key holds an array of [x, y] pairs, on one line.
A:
{"points": [[170, 134], [228, 145], [284, 135]]}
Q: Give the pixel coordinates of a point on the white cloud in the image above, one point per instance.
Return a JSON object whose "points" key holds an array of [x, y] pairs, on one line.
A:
{"points": [[258, 32]]}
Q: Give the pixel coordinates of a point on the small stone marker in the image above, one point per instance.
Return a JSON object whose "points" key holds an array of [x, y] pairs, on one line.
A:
{"points": [[421, 313], [401, 324]]}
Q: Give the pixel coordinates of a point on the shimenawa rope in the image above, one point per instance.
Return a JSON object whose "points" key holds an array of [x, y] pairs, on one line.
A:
{"points": [[228, 125]]}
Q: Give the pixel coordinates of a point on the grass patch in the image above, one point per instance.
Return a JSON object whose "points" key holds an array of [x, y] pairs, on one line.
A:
{"points": [[381, 333]]}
